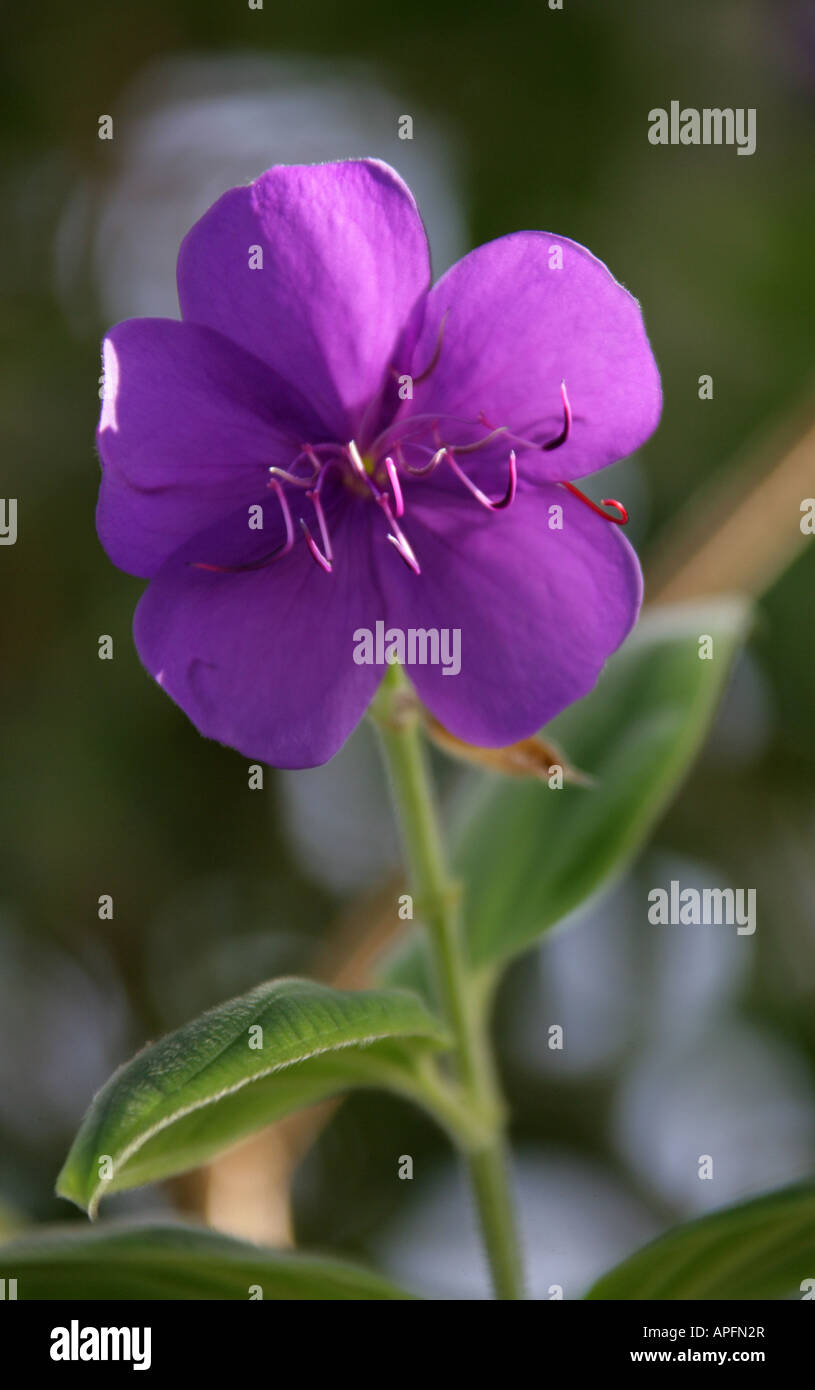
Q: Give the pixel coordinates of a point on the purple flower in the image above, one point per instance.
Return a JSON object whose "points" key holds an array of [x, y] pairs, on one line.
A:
{"points": [[409, 451]]}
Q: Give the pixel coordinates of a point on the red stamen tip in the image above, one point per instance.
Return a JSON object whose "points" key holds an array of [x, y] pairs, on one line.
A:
{"points": [[622, 518], [622, 515]]}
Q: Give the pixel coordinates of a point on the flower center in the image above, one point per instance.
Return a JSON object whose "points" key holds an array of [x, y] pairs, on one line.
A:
{"points": [[376, 474]]}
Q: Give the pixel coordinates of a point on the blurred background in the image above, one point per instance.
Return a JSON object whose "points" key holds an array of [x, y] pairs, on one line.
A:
{"points": [[678, 1045]]}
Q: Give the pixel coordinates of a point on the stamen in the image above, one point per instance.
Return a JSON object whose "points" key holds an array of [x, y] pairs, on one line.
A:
{"points": [[358, 464], [237, 569], [290, 478], [404, 548], [567, 422], [407, 430], [398, 538], [479, 443], [480, 496], [434, 361], [309, 452], [324, 557], [509, 495], [550, 443], [284, 507], [622, 514], [425, 468], [276, 554], [356, 459], [321, 559], [396, 487]]}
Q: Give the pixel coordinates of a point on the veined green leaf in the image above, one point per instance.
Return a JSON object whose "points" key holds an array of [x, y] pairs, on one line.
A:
{"points": [[121, 1261], [234, 1070], [764, 1248]]}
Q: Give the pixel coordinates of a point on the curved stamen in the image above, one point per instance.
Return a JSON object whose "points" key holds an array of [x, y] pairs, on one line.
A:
{"points": [[434, 361], [479, 443], [321, 559], [567, 422], [307, 451], [622, 515], [289, 478], [324, 557], [421, 471], [502, 502], [509, 496], [404, 431], [548, 444], [310, 452], [286, 510], [276, 554]]}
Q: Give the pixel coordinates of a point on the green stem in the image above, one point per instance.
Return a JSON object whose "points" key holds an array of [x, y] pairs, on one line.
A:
{"points": [[437, 900]]}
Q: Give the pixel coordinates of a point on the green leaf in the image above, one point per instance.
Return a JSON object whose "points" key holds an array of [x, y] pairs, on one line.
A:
{"points": [[120, 1261], [530, 854], [759, 1249], [201, 1089]]}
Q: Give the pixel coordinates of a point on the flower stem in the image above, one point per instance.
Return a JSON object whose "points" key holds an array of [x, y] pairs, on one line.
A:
{"points": [[437, 902]]}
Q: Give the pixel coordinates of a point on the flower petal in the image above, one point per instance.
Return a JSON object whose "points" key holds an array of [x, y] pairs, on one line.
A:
{"points": [[263, 660], [538, 610], [190, 426], [345, 259], [517, 320]]}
